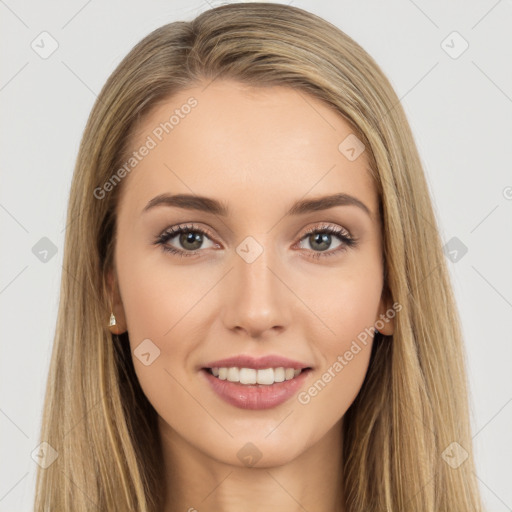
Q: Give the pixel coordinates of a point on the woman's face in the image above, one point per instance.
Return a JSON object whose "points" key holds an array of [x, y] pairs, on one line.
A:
{"points": [[248, 279]]}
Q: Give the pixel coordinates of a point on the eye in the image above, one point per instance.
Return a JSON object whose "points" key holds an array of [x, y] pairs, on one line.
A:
{"points": [[190, 237], [320, 237]]}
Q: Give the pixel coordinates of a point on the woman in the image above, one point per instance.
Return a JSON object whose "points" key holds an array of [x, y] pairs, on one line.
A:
{"points": [[304, 351]]}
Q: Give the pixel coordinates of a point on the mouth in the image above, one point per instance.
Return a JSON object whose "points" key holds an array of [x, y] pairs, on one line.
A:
{"points": [[256, 377]]}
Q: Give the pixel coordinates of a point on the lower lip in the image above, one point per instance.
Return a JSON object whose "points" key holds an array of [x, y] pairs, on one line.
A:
{"points": [[256, 396]]}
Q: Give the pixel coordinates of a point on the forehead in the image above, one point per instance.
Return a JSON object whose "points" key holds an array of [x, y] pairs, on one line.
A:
{"points": [[247, 147]]}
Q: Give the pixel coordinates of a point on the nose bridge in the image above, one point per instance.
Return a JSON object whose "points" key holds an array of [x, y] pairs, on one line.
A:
{"points": [[256, 300]]}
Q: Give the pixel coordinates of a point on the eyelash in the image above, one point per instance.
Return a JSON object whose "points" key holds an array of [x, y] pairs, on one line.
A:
{"points": [[165, 236]]}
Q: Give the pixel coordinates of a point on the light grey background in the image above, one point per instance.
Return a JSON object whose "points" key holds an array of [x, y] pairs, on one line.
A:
{"points": [[460, 110]]}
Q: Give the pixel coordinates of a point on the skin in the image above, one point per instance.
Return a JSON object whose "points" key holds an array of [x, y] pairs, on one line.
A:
{"points": [[258, 150]]}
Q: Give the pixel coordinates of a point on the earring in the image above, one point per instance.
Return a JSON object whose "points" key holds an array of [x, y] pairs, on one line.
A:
{"points": [[112, 324]]}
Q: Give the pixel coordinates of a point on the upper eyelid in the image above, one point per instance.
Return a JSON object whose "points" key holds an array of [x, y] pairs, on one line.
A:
{"points": [[342, 230], [172, 231]]}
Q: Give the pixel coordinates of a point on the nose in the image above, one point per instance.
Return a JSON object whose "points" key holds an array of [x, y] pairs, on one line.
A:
{"points": [[257, 298]]}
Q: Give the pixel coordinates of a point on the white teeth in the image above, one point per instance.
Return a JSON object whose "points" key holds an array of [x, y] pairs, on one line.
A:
{"points": [[233, 374], [279, 374], [265, 376], [289, 373], [248, 376]]}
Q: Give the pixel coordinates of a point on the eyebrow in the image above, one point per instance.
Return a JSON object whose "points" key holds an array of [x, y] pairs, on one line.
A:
{"points": [[215, 207]]}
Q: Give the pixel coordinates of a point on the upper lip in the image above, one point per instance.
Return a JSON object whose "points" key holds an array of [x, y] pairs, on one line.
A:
{"points": [[257, 363]]}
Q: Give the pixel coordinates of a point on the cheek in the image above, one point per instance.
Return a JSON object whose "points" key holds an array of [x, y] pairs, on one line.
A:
{"points": [[155, 294], [164, 304], [156, 300], [348, 308], [345, 355], [345, 302], [334, 388]]}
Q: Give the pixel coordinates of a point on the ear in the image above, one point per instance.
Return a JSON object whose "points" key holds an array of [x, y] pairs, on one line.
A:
{"points": [[385, 322], [116, 303]]}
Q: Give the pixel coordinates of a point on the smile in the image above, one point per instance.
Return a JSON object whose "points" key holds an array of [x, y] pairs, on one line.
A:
{"points": [[248, 376], [249, 388]]}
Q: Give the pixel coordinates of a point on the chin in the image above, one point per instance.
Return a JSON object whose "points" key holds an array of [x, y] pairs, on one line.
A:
{"points": [[260, 453]]}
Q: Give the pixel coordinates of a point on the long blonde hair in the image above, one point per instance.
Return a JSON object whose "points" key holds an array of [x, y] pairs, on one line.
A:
{"points": [[413, 403]]}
